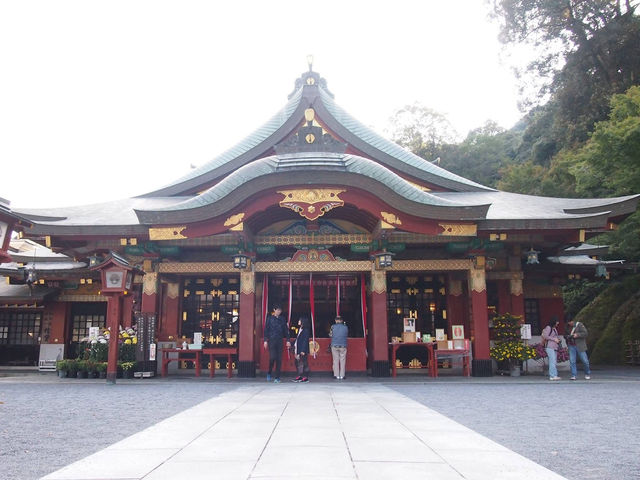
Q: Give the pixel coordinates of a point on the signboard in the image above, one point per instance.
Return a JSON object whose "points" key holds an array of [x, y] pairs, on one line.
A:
{"points": [[525, 331], [457, 332], [93, 333], [197, 338], [409, 324], [146, 346], [440, 334]]}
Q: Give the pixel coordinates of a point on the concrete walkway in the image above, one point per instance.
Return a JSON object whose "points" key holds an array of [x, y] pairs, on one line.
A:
{"points": [[311, 431]]}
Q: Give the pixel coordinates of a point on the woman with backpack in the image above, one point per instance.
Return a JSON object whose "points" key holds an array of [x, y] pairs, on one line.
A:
{"points": [[551, 341]]}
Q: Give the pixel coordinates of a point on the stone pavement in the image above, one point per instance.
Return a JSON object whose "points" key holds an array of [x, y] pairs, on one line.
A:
{"points": [[319, 430]]}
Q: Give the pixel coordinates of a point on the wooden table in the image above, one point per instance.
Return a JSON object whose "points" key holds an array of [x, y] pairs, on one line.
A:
{"points": [[463, 353], [432, 366], [181, 355], [212, 352]]}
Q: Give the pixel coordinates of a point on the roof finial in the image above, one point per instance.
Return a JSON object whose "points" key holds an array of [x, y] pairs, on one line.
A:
{"points": [[310, 62]]}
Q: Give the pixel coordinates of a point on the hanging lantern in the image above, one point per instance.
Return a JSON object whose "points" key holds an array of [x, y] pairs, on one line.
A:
{"points": [[240, 261], [601, 270], [532, 257], [383, 259]]}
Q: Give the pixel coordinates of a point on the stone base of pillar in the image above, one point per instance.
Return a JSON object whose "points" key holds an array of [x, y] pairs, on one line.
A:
{"points": [[111, 378], [246, 369], [482, 368], [380, 368]]}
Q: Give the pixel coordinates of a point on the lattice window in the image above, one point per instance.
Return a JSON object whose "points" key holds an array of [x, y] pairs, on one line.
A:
{"points": [[84, 316], [211, 306], [532, 315], [20, 328]]}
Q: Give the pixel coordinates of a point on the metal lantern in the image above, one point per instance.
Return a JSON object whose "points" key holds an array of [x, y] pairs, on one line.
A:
{"points": [[532, 257], [383, 259], [240, 261]]}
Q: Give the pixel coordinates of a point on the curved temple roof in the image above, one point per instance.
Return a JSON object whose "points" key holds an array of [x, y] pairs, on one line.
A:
{"points": [[355, 157], [315, 95]]}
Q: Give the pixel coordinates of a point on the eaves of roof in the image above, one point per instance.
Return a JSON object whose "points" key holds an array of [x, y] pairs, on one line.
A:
{"points": [[313, 169], [15, 294], [376, 146], [254, 145], [527, 212]]}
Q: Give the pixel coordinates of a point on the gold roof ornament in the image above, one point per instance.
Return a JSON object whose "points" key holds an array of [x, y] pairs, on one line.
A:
{"points": [[311, 203]]}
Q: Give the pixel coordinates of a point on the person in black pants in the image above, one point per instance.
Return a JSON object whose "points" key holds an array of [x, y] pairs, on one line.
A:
{"points": [[301, 349], [275, 329]]}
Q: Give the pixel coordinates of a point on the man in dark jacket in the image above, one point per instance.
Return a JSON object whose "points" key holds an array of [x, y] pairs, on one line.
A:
{"points": [[577, 344], [275, 329]]}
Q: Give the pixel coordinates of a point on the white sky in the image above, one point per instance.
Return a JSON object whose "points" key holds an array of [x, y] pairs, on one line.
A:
{"points": [[112, 99]]}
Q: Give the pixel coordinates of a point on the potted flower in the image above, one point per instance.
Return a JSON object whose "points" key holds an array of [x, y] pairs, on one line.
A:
{"points": [[72, 368], [509, 351], [101, 368], [92, 369], [82, 369], [127, 369], [62, 367]]}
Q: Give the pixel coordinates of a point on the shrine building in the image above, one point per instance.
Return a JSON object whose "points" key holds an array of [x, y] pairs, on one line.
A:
{"points": [[318, 213]]}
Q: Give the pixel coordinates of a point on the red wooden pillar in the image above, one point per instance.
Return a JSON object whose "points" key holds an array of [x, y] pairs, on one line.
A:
{"points": [[378, 330], [127, 311], [114, 314], [457, 312], [149, 293], [482, 366], [246, 335], [170, 312], [504, 297], [517, 295]]}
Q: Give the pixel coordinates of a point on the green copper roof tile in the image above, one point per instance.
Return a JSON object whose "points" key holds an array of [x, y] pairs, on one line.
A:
{"points": [[390, 148], [251, 141]]}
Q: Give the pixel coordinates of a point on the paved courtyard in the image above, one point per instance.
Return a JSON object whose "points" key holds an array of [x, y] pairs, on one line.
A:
{"points": [[446, 428]]}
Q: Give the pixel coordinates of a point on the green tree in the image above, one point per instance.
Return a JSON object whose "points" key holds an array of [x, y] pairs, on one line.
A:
{"points": [[421, 130], [565, 26], [482, 155], [587, 52], [611, 157]]}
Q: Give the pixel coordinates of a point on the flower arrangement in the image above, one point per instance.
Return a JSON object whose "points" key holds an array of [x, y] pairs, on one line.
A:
{"points": [[505, 331], [97, 349], [512, 351]]}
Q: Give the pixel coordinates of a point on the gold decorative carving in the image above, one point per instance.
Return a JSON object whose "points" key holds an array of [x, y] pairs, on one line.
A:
{"points": [[477, 280], [309, 114], [430, 265], [515, 285], [166, 233], [173, 290], [327, 266], [391, 218], [386, 226], [378, 281], [196, 267], [460, 230], [312, 203], [150, 283], [234, 219], [238, 228], [247, 282], [82, 298], [329, 239]]}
